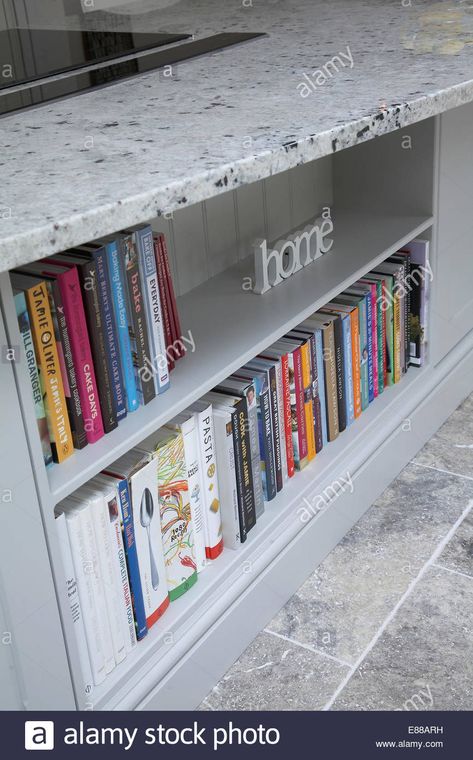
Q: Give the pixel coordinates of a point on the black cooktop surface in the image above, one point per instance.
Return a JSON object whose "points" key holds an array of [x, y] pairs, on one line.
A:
{"points": [[30, 54]]}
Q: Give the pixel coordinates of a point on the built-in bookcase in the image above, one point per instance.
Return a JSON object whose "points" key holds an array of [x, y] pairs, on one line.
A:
{"points": [[382, 194]]}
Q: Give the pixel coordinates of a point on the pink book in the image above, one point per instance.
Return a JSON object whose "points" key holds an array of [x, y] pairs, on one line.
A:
{"points": [[68, 281], [374, 331]]}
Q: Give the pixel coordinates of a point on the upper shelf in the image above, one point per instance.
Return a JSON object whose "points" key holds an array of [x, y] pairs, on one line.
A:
{"points": [[230, 325], [87, 166]]}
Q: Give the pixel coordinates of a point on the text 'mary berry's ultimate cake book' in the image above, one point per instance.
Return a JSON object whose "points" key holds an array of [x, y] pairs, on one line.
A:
{"points": [[166, 447]]}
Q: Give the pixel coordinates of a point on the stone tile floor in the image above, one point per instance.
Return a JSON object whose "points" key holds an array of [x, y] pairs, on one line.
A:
{"points": [[386, 621]]}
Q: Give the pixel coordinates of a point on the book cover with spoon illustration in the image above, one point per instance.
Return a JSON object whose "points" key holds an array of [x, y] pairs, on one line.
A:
{"points": [[167, 447]]}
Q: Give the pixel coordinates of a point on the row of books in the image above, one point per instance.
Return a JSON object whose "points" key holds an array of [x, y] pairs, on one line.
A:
{"points": [[100, 332], [136, 537]]}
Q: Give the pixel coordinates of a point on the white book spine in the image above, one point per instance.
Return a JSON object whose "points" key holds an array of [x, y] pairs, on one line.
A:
{"points": [[227, 484], [281, 415], [93, 565], [75, 605], [194, 477], [149, 541], [211, 500], [106, 555], [125, 608], [154, 314], [85, 583]]}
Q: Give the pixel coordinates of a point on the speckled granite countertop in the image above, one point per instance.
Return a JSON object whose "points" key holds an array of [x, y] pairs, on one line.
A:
{"points": [[89, 165]]}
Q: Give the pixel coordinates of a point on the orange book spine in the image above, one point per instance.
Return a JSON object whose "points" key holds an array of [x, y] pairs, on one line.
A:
{"points": [[308, 400], [48, 361], [355, 355]]}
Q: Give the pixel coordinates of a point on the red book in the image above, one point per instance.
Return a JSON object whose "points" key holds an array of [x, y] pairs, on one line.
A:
{"points": [[175, 322], [164, 298], [69, 285]]}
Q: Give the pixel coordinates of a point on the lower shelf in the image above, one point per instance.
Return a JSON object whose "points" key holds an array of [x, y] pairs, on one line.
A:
{"points": [[205, 630]]}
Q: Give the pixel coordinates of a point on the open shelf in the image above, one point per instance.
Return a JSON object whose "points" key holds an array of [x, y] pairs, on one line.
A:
{"points": [[230, 325], [226, 579]]}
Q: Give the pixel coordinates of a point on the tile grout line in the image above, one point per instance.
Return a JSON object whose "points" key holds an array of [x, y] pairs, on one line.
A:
{"points": [[431, 561], [438, 469], [455, 572], [309, 648]]}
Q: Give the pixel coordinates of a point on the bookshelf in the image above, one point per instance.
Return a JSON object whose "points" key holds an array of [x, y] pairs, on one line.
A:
{"points": [[205, 630]]}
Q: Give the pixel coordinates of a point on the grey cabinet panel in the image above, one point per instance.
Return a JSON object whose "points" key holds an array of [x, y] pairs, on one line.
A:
{"points": [[452, 306]]}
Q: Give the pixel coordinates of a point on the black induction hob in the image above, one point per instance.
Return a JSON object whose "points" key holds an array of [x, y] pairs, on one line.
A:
{"points": [[76, 82], [30, 54]]}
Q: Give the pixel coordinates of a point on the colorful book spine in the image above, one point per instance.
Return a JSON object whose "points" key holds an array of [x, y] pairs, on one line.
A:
{"points": [[137, 325], [75, 606], [330, 371], [34, 376], [175, 512], [152, 301], [316, 396], [165, 301], [348, 369], [355, 354], [68, 371], [211, 498], [118, 289], [131, 554], [60, 434], [321, 382], [303, 449], [244, 476], [308, 399], [194, 479], [70, 288], [369, 331], [110, 334], [287, 416], [176, 325]]}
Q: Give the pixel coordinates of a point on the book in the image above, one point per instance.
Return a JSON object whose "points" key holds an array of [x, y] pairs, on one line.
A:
{"points": [[321, 382], [167, 448], [352, 312], [63, 345], [120, 482], [339, 365], [118, 286], [278, 351], [298, 415], [226, 472], [106, 566], [238, 407], [359, 301], [396, 271], [165, 302], [186, 424], [259, 380], [67, 276], [141, 472], [307, 383], [403, 258], [347, 359], [278, 440], [374, 329], [33, 374], [420, 277], [86, 584], [125, 606], [47, 358], [82, 259], [330, 374], [208, 467], [137, 326], [365, 291], [175, 321], [143, 236], [377, 283], [89, 559], [237, 386], [75, 607]]}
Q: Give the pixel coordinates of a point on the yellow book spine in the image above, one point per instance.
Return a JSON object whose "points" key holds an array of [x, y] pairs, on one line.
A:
{"points": [[308, 400], [48, 360], [397, 338]]}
